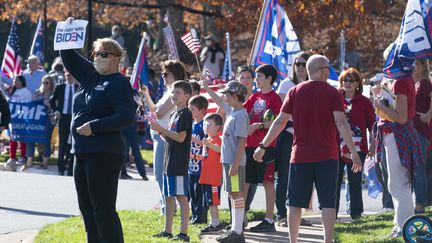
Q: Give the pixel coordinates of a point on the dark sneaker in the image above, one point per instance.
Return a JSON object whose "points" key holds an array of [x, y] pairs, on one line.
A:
{"points": [[305, 222], [264, 226], [228, 227], [231, 237], [163, 234], [181, 237], [211, 228]]}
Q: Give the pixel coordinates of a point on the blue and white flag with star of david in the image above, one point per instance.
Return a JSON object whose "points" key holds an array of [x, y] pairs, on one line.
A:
{"points": [[414, 40], [276, 42]]}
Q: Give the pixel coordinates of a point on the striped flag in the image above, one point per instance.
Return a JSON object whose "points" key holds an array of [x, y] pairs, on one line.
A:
{"points": [[212, 108], [191, 41], [140, 71], [11, 65]]}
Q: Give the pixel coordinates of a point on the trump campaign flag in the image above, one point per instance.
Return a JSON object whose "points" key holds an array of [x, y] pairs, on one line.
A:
{"points": [[227, 74], [37, 44], [414, 40], [140, 72], [276, 42], [11, 65]]}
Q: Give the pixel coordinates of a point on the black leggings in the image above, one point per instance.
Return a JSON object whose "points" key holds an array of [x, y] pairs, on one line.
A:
{"points": [[96, 180]]}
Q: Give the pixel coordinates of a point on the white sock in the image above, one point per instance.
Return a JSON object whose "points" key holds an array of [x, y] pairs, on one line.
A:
{"points": [[269, 220], [238, 216], [215, 222]]}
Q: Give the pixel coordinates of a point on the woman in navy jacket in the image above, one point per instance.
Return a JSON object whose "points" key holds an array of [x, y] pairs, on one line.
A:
{"points": [[102, 107]]}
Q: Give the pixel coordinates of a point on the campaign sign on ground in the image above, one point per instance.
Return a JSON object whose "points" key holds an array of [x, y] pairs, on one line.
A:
{"points": [[70, 35], [29, 121]]}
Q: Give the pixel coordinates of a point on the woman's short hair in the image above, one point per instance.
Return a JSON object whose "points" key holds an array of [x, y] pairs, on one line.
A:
{"points": [[176, 68], [109, 45], [351, 73]]}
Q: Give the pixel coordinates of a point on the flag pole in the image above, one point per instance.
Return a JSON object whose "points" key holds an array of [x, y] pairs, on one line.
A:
{"points": [[257, 32], [198, 63]]}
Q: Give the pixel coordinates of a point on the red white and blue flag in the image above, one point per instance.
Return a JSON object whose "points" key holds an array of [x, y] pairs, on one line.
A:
{"points": [[276, 42], [11, 65], [191, 41], [37, 47], [140, 72], [414, 40]]}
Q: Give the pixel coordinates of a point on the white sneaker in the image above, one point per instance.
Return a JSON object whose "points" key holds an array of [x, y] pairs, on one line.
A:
{"points": [[11, 165], [22, 160]]}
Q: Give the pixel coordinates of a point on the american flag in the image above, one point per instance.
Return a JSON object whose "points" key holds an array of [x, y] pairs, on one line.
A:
{"points": [[11, 65], [212, 108], [191, 40]]}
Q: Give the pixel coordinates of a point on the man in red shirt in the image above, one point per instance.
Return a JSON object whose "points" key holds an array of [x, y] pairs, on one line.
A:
{"points": [[317, 111]]}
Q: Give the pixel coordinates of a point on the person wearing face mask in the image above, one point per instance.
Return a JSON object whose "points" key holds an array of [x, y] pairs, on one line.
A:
{"points": [[103, 105], [116, 35], [212, 56]]}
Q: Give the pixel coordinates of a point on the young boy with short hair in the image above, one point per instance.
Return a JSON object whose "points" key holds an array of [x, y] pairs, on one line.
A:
{"points": [[198, 106], [211, 169], [175, 178], [262, 107], [234, 136]]}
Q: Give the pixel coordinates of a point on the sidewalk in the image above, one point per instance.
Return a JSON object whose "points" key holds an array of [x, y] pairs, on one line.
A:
{"points": [[310, 234]]}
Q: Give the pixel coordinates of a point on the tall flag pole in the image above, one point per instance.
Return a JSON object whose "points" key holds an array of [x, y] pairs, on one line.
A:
{"points": [[276, 42], [227, 74], [191, 40], [140, 72], [11, 65], [342, 52], [37, 44]]}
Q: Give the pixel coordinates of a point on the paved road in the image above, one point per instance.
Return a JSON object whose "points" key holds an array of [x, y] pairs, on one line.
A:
{"points": [[37, 197]]}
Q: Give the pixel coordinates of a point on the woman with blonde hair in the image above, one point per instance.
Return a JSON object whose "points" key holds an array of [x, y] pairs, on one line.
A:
{"points": [[44, 92], [103, 105]]}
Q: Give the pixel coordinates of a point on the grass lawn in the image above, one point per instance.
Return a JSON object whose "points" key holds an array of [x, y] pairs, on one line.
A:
{"points": [[147, 155], [138, 226], [373, 228]]}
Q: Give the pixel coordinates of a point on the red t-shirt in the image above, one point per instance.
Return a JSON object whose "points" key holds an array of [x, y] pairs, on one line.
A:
{"points": [[311, 105], [405, 86], [256, 106], [362, 115], [211, 167], [423, 90]]}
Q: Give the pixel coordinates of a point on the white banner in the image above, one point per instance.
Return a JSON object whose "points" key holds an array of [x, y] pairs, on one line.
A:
{"points": [[70, 35]]}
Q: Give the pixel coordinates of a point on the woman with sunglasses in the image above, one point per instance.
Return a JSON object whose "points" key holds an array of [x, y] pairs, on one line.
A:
{"points": [[361, 117], [103, 105], [171, 72], [44, 92], [285, 140]]}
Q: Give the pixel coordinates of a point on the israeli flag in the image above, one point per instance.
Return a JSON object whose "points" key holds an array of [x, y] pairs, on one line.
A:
{"points": [[276, 42], [414, 40]]}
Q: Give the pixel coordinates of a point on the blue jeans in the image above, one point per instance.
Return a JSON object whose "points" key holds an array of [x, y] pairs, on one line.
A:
{"points": [[47, 145], [158, 161], [130, 134], [282, 161], [420, 182]]}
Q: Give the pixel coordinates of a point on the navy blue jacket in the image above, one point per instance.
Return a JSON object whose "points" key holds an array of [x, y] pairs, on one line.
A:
{"points": [[106, 101]]}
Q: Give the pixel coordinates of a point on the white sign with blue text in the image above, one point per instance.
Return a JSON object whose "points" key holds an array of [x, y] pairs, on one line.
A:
{"points": [[70, 35]]}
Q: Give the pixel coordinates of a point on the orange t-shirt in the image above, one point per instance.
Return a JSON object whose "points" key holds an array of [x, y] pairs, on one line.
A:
{"points": [[211, 167]]}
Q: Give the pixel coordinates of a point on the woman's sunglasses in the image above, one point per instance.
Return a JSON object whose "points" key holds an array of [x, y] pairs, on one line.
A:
{"points": [[350, 80], [102, 54], [298, 64], [45, 82]]}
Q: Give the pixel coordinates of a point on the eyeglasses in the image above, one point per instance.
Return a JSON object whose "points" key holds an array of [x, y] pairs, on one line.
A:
{"points": [[324, 67], [298, 64], [350, 80], [103, 54], [45, 82]]}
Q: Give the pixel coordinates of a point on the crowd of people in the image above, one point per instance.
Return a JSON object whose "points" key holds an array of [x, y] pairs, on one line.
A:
{"points": [[299, 138]]}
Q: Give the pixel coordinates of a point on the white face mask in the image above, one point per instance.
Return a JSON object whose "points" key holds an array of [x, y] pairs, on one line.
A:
{"points": [[102, 65], [208, 43]]}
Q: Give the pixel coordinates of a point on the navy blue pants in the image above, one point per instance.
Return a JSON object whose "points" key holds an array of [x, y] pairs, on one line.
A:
{"points": [[196, 194]]}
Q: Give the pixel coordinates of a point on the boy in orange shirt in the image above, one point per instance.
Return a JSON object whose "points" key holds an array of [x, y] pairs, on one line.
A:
{"points": [[211, 170]]}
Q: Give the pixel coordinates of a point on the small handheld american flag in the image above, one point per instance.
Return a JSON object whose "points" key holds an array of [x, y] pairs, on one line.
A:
{"points": [[191, 41], [151, 117]]}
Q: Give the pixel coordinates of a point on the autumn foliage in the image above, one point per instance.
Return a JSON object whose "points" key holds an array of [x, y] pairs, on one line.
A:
{"points": [[370, 25]]}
